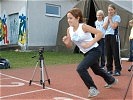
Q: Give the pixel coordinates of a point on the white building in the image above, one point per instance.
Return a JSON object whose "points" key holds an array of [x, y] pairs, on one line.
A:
{"points": [[42, 23], [33, 23]]}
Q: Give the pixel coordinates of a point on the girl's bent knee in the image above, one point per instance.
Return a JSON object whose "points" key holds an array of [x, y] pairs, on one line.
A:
{"points": [[80, 70]]}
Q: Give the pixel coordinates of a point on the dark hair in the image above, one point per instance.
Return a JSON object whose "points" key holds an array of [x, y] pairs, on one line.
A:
{"points": [[112, 6], [76, 12]]}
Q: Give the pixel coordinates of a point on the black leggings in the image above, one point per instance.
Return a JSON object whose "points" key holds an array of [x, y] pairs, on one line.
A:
{"points": [[91, 60]]}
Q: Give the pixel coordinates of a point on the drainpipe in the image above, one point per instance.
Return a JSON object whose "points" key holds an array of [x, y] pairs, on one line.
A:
{"points": [[27, 24]]}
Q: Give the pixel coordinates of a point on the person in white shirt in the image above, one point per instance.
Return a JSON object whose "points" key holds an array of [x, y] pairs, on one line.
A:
{"points": [[131, 41], [112, 41], [99, 25], [80, 34]]}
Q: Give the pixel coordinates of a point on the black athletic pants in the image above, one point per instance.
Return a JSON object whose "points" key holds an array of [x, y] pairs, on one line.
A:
{"points": [[91, 60], [112, 52]]}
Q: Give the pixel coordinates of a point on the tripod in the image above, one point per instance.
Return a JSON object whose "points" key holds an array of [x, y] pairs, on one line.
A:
{"points": [[42, 69], [129, 69]]}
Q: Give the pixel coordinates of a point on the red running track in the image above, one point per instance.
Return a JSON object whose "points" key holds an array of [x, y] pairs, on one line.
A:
{"points": [[65, 84]]}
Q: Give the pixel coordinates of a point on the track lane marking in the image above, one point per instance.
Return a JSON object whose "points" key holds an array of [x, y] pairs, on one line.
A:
{"points": [[13, 84], [73, 95], [22, 93], [5, 78]]}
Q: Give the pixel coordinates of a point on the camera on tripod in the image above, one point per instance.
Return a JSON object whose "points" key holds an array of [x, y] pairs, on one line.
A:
{"points": [[42, 69], [41, 51]]}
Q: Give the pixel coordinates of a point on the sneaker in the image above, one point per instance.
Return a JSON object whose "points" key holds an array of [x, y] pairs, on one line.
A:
{"points": [[102, 68], [93, 92], [110, 85], [117, 73], [110, 72]]}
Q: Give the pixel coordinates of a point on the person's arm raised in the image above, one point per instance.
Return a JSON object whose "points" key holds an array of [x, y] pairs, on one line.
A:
{"points": [[67, 40], [106, 23]]}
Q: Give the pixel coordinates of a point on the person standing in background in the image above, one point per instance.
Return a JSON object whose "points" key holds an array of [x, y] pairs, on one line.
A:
{"points": [[112, 41], [131, 41], [99, 25]]}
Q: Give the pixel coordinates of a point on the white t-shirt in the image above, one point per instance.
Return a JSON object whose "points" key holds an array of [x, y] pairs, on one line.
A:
{"points": [[79, 36], [99, 26], [110, 30], [131, 33]]}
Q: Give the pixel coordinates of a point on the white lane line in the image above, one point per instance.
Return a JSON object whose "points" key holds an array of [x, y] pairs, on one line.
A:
{"points": [[4, 78], [19, 79], [73, 95], [62, 98], [48, 87], [22, 93], [13, 84]]}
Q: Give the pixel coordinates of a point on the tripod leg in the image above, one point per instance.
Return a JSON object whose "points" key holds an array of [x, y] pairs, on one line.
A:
{"points": [[42, 73], [47, 74], [128, 84], [33, 74], [43, 85]]}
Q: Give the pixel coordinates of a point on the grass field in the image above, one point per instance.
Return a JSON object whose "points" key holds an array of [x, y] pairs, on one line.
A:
{"points": [[24, 59]]}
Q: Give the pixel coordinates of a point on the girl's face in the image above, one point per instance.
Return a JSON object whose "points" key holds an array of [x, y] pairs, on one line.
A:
{"points": [[72, 21], [111, 11], [99, 17]]}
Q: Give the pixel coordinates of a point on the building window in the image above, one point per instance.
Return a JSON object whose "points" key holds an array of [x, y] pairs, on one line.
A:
{"points": [[53, 10]]}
